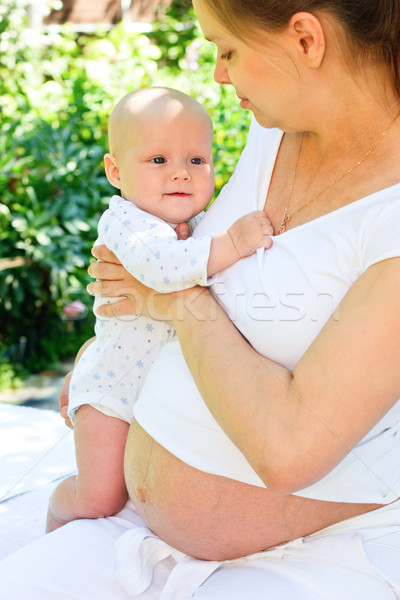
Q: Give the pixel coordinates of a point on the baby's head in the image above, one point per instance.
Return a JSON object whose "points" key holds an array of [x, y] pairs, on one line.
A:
{"points": [[160, 158]]}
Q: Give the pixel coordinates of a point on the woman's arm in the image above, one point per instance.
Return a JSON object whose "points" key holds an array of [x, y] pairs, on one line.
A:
{"points": [[296, 427], [292, 427]]}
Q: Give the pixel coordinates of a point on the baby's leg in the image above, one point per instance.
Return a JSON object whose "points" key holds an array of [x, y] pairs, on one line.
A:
{"points": [[98, 490]]}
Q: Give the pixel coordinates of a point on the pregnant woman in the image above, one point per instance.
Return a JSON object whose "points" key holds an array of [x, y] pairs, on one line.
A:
{"points": [[264, 459]]}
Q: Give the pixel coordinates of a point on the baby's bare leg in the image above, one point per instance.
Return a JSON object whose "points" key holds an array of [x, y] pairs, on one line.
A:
{"points": [[99, 487]]}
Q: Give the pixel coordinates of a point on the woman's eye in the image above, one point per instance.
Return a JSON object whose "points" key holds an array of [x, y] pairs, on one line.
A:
{"points": [[159, 160], [196, 161], [226, 56]]}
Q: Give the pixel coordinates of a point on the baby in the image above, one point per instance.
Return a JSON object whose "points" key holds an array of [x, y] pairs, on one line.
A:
{"points": [[160, 158]]}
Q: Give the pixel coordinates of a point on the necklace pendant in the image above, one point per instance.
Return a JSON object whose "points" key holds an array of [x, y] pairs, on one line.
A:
{"points": [[285, 219]]}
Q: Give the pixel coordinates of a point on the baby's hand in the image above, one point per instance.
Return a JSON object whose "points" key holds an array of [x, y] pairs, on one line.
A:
{"points": [[251, 232]]}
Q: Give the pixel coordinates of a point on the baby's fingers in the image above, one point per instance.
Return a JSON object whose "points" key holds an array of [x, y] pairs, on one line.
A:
{"points": [[265, 223], [260, 219], [268, 229], [266, 242]]}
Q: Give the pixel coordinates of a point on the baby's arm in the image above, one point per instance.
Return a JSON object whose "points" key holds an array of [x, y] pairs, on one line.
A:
{"points": [[242, 239], [148, 247]]}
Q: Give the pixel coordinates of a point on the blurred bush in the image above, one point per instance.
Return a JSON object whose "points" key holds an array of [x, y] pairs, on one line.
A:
{"points": [[56, 92]]}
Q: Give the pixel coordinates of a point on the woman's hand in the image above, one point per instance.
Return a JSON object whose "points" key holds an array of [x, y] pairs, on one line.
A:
{"points": [[63, 400], [63, 397], [114, 281], [136, 299]]}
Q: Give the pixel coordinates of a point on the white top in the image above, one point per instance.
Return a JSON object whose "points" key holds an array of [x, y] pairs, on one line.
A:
{"points": [[280, 299]]}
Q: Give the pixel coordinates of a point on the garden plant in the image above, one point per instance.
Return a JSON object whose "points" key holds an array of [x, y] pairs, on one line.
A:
{"points": [[56, 92]]}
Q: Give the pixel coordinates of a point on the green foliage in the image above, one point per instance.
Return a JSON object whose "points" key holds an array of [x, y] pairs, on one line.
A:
{"points": [[56, 92], [10, 374]]}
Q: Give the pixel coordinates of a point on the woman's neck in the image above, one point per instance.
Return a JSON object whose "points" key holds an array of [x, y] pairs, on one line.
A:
{"points": [[350, 111]]}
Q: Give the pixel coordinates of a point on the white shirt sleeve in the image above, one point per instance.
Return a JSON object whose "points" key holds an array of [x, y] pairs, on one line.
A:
{"points": [[382, 239], [150, 250]]}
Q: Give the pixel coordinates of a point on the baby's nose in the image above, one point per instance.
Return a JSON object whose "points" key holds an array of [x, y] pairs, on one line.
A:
{"points": [[180, 172]]}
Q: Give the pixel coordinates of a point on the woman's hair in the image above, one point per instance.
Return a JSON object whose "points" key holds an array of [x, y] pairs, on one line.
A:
{"points": [[372, 26]]}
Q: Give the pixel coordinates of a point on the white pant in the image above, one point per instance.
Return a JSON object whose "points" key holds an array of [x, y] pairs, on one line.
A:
{"points": [[117, 558]]}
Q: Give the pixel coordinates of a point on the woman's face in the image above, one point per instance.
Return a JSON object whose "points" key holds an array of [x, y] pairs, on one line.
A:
{"points": [[264, 75]]}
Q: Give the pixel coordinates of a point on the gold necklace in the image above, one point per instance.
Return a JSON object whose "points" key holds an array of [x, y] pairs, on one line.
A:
{"points": [[288, 215]]}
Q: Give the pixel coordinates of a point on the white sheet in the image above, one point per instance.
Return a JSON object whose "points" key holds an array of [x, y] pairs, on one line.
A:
{"points": [[43, 570], [36, 450]]}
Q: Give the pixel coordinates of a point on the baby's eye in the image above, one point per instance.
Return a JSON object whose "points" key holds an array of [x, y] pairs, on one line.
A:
{"points": [[196, 160], [158, 160]]}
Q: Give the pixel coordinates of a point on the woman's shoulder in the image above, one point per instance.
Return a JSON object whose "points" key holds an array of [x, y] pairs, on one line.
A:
{"points": [[382, 207], [381, 226]]}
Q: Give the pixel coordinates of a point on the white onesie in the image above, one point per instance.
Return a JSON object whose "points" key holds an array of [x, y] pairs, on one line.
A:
{"points": [[112, 369]]}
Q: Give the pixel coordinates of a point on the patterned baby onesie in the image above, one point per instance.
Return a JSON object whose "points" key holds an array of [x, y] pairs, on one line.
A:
{"points": [[111, 371]]}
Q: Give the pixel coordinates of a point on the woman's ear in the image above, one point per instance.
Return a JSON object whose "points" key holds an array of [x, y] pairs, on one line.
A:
{"points": [[112, 170], [309, 34]]}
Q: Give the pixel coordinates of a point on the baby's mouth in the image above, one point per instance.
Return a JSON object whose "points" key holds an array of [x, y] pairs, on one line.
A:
{"points": [[181, 194]]}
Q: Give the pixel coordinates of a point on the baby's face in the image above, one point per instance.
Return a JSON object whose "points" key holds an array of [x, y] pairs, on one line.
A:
{"points": [[167, 170]]}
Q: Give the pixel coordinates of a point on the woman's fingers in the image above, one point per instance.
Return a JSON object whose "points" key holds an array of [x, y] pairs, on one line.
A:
{"points": [[63, 399], [109, 288], [104, 254], [133, 298], [125, 307], [107, 271]]}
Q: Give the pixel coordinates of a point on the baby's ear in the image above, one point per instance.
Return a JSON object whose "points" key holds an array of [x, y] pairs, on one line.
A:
{"points": [[112, 170]]}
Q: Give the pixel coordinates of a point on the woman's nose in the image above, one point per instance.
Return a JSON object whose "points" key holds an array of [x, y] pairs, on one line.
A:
{"points": [[221, 74]]}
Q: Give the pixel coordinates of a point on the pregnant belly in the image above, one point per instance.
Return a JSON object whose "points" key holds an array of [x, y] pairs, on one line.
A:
{"points": [[212, 517]]}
